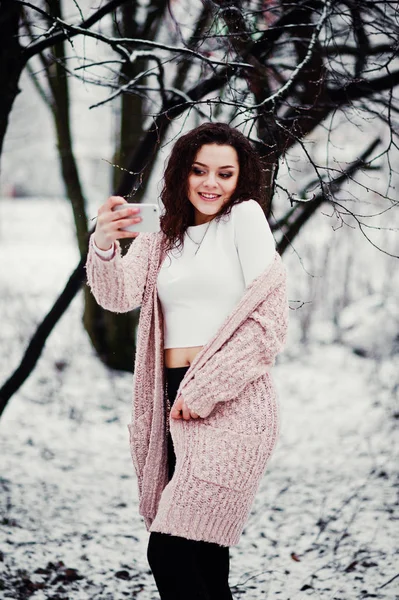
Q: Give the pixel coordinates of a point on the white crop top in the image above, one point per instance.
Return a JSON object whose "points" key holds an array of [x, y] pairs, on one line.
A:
{"points": [[198, 291]]}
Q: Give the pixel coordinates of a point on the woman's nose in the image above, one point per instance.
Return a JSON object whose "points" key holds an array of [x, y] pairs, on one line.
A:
{"points": [[210, 181]]}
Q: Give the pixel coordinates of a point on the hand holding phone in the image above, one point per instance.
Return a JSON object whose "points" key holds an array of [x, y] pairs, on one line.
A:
{"points": [[149, 214], [111, 223]]}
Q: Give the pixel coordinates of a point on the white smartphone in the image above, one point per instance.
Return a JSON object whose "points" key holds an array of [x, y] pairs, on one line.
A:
{"points": [[149, 214]]}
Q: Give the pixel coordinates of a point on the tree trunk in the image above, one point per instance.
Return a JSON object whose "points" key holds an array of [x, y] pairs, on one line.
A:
{"points": [[11, 61], [114, 335], [130, 125], [108, 332], [58, 83]]}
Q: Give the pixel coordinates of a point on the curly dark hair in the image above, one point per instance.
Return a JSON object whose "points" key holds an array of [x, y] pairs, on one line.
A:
{"points": [[179, 212]]}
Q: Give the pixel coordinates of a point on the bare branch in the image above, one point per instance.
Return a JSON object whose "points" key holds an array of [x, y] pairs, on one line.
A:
{"points": [[363, 88], [290, 229], [61, 36]]}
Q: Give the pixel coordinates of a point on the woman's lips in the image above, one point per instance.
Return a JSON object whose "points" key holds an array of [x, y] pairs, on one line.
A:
{"points": [[209, 197]]}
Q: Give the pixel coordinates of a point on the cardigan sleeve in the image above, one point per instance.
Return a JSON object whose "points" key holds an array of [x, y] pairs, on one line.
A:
{"points": [[245, 356], [118, 283]]}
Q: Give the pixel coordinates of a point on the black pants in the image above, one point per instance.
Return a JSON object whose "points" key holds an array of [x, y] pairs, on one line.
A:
{"points": [[186, 569]]}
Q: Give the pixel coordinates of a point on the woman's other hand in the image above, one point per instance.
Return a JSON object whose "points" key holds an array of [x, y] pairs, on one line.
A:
{"points": [[110, 222], [180, 410]]}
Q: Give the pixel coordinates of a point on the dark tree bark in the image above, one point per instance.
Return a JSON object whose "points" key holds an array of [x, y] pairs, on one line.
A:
{"points": [[59, 86], [12, 61]]}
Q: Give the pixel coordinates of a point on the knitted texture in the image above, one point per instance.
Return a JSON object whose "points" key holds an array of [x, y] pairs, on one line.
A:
{"points": [[220, 457], [118, 284]]}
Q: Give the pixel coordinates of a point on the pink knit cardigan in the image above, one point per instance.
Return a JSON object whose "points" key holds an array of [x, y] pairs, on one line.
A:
{"points": [[220, 457]]}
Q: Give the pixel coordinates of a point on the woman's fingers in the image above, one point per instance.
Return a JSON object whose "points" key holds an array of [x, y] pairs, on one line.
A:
{"points": [[180, 410], [186, 412], [175, 412], [113, 216], [120, 223], [115, 201], [110, 203], [125, 212]]}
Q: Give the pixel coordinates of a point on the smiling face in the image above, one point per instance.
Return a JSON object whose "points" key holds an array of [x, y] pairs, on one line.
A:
{"points": [[212, 180]]}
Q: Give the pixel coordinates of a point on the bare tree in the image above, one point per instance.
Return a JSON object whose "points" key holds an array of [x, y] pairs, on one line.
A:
{"points": [[56, 96], [14, 56], [279, 70], [113, 336]]}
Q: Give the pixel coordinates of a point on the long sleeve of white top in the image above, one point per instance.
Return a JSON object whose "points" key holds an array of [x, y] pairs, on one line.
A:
{"points": [[254, 240]]}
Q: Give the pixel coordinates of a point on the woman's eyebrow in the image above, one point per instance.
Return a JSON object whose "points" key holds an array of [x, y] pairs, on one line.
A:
{"points": [[206, 166]]}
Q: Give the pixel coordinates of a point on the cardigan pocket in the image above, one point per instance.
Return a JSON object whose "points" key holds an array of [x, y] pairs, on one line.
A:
{"points": [[139, 434], [229, 459]]}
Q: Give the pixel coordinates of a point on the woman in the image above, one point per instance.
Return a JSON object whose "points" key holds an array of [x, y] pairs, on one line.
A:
{"points": [[214, 312]]}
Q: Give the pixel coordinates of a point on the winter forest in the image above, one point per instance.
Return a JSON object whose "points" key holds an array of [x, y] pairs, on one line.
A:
{"points": [[92, 97]]}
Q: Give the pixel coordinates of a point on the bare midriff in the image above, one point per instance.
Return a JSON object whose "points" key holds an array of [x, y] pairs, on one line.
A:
{"points": [[180, 357]]}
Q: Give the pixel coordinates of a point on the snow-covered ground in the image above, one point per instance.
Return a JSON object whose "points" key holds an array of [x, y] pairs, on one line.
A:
{"points": [[324, 523]]}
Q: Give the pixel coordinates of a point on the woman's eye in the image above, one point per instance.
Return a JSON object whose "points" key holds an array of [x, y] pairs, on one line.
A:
{"points": [[200, 172]]}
